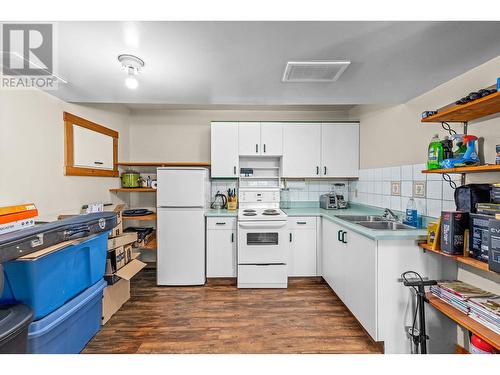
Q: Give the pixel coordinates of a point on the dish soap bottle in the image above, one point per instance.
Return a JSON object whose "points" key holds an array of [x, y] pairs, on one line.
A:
{"points": [[435, 153], [411, 213]]}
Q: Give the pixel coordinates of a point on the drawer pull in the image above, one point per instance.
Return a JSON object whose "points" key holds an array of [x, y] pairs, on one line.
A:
{"points": [[301, 222], [220, 223], [98, 163]]}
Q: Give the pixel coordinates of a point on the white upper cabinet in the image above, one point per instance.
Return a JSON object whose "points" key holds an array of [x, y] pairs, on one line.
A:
{"points": [[271, 138], [224, 149], [301, 150], [257, 138], [249, 138], [92, 149], [340, 149]]}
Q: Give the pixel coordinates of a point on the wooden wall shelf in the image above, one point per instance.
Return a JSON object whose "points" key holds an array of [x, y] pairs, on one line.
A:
{"points": [[465, 321], [133, 190], [474, 110], [461, 259], [150, 217], [164, 164], [472, 169]]}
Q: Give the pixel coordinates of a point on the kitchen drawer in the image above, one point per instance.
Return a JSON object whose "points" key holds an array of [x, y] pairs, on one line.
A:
{"points": [[221, 223], [262, 276], [302, 222]]}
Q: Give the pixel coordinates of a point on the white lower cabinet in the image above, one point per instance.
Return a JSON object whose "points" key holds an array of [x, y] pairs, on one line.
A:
{"points": [[302, 238], [221, 247]]}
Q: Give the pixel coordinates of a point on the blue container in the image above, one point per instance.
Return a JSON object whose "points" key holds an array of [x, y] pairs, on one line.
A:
{"points": [[48, 282], [68, 329]]}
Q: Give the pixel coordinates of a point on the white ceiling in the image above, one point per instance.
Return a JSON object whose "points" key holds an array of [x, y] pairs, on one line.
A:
{"points": [[242, 63]]}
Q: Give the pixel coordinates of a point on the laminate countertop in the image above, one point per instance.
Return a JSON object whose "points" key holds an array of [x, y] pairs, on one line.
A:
{"points": [[336, 217]]}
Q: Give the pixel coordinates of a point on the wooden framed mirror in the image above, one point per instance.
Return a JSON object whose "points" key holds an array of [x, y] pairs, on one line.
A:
{"points": [[90, 149]]}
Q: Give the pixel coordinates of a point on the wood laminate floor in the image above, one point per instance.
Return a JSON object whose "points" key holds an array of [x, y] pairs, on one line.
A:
{"points": [[305, 318]]}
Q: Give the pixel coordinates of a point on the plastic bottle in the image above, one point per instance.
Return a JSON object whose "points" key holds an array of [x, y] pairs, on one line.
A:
{"points": [[411, 213], [435, 154]]}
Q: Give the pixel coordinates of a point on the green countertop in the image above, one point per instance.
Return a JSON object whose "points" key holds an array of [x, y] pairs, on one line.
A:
{"points": [[412, 234], [355, 209], [220, 213]]}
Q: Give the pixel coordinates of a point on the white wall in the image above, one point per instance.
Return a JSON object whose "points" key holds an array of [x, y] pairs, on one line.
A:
{"points": [[32, 152], [184, 135], [393, 135]]}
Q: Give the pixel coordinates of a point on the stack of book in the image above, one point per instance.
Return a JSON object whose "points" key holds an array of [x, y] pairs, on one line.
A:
{"points": [[486, 310], [17, 217], [457, 293]]}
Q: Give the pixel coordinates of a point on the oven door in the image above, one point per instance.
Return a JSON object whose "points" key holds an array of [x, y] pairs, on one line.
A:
{"points": [[262, 242]]}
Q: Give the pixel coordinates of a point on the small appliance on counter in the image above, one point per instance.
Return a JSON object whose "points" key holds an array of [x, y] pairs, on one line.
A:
{"points": [[131, 179], [334, 200], [219, 202]]}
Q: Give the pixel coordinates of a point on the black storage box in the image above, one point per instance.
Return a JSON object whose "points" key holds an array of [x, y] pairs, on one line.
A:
{"points": [[479, 236], [494, 246], [26, 241], [466, 196], [14, 324], [453, 226]]}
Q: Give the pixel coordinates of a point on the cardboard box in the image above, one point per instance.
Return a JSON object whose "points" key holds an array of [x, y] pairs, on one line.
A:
{"points": [[114, 296], [126, 272], [118, 290], [122, 240], [118, 258], [479, 236], [118, 209], [494, 246]]}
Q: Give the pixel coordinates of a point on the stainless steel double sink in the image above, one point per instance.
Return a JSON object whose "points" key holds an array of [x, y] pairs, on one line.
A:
{"points": [[375, 222]]}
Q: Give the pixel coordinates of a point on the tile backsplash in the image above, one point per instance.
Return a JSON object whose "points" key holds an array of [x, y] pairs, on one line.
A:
{"points": [[374, 188], [310, 190]]}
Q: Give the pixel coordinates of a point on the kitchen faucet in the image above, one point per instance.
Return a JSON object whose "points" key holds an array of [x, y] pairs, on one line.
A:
{"points": [[390, 215]]}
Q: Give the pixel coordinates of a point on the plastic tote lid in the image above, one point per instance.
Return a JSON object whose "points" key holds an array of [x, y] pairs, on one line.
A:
{"points": [[12, 319]]}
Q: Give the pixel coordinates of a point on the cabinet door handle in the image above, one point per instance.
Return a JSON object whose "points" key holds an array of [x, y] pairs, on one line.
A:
{"points": [[301, 222], [220, 223], [317, 170], [343, 237], [256, 149], [325, 171], [290, 237], [338, 235], [232, 237], [98, 163], [234, 169], [264, 148]]}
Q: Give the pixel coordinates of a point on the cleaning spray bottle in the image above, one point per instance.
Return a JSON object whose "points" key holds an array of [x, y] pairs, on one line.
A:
{"points": [[435, 153]]}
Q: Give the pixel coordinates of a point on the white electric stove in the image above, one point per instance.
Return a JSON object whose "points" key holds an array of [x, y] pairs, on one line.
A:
{"points": [[262, 242]]}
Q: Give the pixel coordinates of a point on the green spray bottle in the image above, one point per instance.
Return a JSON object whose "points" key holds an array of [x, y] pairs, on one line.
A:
{"points": [[435, 153]]}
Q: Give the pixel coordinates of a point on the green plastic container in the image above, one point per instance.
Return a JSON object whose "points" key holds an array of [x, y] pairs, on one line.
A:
{"points": [[435, 153]]}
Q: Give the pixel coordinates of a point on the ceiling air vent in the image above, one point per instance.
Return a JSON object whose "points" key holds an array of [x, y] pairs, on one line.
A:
{"points": [[314, 71]]}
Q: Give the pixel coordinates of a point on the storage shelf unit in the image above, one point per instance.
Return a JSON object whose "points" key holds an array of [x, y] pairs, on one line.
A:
{"points": [[473, 110], [461, 259], [150, 217], [465, 321], [460, 170], [133, 190]]}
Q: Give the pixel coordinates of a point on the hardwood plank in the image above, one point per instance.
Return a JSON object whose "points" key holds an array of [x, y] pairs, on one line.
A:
{"points": [[471, 169], [133, 190], [219, 318]]}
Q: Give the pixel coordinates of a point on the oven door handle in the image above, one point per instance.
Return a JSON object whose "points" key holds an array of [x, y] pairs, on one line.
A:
{"points": [[264, 224]]}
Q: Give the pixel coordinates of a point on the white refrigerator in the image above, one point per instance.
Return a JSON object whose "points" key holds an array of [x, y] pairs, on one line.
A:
{"points": [[181, 200]]}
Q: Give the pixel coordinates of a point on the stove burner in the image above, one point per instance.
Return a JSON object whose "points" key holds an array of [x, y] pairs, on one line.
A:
{"points": [[270, 212], [248, 210], [249, 214]]}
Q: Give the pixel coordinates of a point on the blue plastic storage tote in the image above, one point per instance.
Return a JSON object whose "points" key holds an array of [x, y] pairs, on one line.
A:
{"points": [[68, 329], [47, 282]]}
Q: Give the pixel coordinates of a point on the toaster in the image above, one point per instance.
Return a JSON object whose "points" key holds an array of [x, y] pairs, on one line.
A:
{"points": [[330, 201]]}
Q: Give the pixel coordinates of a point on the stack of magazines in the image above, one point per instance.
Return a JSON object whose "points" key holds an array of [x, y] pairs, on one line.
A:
{"points": [[486, 310], [457, 294]]}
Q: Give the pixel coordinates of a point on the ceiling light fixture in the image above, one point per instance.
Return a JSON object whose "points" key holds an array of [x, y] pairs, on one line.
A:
{"points": [[132, 65]]}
